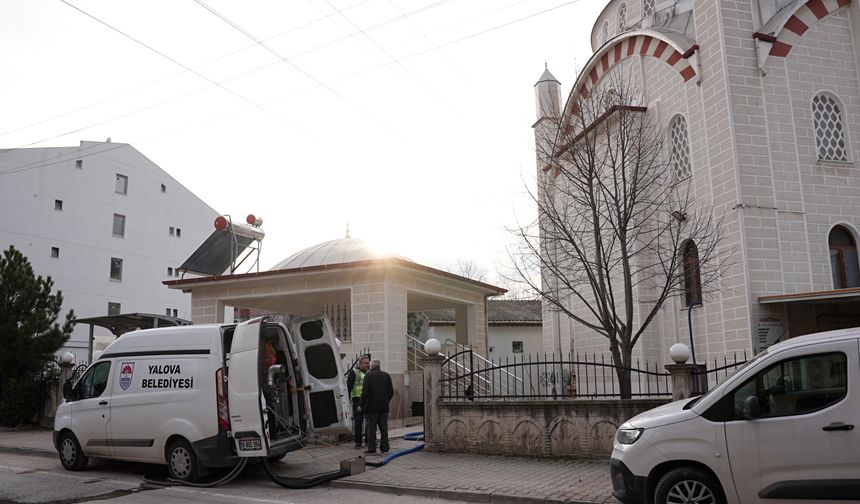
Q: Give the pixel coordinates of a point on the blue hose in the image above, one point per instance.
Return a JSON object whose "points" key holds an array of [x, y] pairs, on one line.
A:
{"points": [[414, 436], [407, 451]]}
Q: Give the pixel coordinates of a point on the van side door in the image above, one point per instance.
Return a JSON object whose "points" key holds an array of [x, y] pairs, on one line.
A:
{"points": [[322, 374], [803, 445], [244, 395], [91, 409]]}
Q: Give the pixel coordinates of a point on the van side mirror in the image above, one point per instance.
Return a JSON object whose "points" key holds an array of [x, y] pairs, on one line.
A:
{"points": [[68, 392], [752, 408]]}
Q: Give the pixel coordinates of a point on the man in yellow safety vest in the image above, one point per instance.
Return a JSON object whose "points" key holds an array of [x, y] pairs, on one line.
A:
{"points": [[355, 384]]}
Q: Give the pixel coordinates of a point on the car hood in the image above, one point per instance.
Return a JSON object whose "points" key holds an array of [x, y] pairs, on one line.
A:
{"points": [[671, 413]]}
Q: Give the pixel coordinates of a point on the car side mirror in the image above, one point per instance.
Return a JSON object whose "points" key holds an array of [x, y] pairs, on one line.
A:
{"points": [[69, 392], [752, 408]]}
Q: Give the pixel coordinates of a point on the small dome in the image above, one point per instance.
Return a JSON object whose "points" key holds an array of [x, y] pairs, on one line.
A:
{"points": [[344, 250]]}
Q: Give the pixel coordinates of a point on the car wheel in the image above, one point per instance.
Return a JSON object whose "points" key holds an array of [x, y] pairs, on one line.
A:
{"points": [[71, 455], [182, 461], [688, 484]]}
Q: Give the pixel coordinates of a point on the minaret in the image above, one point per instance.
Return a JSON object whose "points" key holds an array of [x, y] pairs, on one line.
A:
{"points": [[547, 96], [548, 110]]}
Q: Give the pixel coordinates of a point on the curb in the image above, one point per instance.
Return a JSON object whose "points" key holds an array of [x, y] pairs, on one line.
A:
{"points": [[458, 495], [35, 452]]}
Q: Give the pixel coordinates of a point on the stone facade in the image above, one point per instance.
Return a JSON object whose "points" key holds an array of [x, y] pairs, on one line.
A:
{"points": [[744, 75]]}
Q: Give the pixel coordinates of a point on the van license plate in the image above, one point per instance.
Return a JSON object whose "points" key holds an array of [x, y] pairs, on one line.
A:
{"points": [[250, 445]]}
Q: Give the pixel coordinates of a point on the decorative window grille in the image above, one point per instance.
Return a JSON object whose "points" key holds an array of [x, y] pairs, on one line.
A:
{"points": [[829, 133], [622, 17], [647, 8], [338, 314], [680, 148]]}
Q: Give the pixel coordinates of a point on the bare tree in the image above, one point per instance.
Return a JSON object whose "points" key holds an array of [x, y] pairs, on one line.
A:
{"points": [[617, 234]]}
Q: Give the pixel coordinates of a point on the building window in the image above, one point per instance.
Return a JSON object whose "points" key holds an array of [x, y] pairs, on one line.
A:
{"points": [[167, 312], [115, 268], [163, 188], [55, 252], [647, 8], [171, 231], [692, 278], [843, 259], [178, 232], [121, 184], [58, 205], [176, 271], [680, 142], [175, 313], [169, 271], [79, 163], [605, 31], [114, 308], [119, 225], [517, 346], [829, 132], [622, 18]]}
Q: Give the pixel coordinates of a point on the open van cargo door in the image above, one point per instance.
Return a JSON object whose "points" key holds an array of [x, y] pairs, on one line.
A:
{"points": [[325, 387], [244, 395]]}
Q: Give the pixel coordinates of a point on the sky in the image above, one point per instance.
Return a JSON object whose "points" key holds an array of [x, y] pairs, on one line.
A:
{"points": [[408, 120]]}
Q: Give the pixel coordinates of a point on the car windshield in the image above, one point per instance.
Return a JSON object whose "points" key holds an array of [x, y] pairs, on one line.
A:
{"points": [[715, 387]]}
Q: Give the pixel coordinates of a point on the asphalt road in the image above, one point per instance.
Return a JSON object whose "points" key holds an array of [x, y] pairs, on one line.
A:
{"points": [[26, 479]]}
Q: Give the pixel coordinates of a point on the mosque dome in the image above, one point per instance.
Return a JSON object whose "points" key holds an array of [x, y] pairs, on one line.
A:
{"points": [[344, 250]]}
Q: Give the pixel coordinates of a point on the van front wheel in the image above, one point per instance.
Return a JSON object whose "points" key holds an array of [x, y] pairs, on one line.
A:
{"points": [[688, 484], [182, 461], [71, 455]]}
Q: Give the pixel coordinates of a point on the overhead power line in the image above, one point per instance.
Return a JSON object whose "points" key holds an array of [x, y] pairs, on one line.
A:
{"points": [[183, 65]]}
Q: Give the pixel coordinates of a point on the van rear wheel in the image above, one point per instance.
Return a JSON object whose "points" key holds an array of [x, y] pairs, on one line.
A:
{"points": [[182, 461], [688, 484], [71, 455]]}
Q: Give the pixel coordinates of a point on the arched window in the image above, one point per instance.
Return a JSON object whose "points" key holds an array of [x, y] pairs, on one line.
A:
{"points": [[692, 278], [680, 143], [622, 17], [829, 132], [647, 8], [843, 259], [605, 31]]}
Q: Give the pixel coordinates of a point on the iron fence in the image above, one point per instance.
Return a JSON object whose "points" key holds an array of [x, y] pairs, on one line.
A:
{"points": [[721, 368], [546, 376]]}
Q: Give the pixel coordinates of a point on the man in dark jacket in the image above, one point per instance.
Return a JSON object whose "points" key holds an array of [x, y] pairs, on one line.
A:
{"points": [[355, 384], [378, 391]]}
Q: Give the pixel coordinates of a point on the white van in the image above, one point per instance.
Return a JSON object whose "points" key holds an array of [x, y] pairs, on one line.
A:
{"points": [[780, 430], [197, 397]]}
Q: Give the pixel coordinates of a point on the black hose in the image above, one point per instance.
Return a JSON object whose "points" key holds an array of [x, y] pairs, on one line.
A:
{"points": [[302, 483], [237, 469]]}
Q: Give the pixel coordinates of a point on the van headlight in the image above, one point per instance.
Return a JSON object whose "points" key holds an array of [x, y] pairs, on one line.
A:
{"points": [[628, 436]]}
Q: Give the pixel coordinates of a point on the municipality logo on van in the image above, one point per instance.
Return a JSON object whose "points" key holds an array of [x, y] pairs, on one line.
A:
{"points": [[125, 375]]}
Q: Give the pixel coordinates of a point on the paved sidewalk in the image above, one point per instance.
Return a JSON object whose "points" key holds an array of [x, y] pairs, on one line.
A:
{"points": [[462, 477]]}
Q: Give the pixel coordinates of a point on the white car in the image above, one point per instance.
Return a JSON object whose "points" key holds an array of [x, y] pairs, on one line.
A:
{"points": [[196, 397], [780, 430]]}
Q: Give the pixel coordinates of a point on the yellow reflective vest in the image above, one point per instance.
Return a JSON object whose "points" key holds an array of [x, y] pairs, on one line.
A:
{"points": [[359, 382]]}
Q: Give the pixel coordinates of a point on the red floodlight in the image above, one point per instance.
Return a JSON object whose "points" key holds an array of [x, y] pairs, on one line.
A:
{"points": [[254, 220], [220, 223]]}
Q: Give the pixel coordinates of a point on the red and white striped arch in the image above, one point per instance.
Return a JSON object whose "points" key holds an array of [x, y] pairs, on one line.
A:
{"points": [[783, 32], [675, 53]]}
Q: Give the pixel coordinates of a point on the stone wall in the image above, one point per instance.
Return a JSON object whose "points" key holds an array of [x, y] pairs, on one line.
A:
{"points": [[570, 428]]}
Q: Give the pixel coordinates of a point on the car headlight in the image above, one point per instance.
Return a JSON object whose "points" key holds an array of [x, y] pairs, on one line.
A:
{"points": [[628, 436]]}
